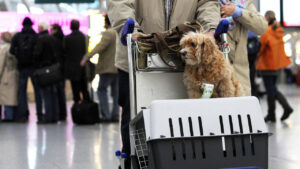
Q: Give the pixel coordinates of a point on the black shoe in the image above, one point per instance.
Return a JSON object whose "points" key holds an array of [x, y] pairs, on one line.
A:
{"points": [[42, 122], [21, 120], [62, 119], [104, 120], [53, 121], [7, 120], [270, 118], [286, 114], [115, 120]]}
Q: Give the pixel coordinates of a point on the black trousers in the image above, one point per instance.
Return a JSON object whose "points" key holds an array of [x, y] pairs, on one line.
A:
{"points": [[61, 96], [124, 102], [80, 86], [270, 85], [252, 68]]}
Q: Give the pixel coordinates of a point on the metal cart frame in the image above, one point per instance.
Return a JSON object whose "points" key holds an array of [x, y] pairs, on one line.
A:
{"points": [[144, 90]]}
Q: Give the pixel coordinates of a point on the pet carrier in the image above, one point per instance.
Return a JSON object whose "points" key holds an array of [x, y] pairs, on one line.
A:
{"points": [[201, 133]]}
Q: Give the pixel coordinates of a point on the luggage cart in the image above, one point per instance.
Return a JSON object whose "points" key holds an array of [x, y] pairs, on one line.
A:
{"points": [[176, 133]]}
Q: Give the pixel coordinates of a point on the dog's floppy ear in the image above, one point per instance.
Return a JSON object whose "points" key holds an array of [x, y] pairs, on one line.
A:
{"points": [[208, 46]]}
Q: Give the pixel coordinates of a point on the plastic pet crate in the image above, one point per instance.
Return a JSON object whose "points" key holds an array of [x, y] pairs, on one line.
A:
{"points": [[200, 133]]}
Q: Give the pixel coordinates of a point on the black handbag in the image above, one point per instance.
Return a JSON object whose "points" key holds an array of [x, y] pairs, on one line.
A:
{"points": [[49, 75], [90, 71]]}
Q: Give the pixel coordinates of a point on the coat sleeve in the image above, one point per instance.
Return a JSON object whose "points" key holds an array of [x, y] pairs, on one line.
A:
{"points": [[208, 13], [119, 11], [263, 43], [100, 47], [252, 20], [13, 47]]}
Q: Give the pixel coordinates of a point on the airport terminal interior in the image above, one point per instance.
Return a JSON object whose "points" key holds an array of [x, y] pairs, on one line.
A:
{"points": [[66, 145]]}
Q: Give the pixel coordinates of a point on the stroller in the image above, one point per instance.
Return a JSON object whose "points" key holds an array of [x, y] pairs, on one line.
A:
{"points": [[175, 132]]}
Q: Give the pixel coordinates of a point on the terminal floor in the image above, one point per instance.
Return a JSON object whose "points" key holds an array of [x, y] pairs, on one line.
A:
{"points": [[67, 146]]}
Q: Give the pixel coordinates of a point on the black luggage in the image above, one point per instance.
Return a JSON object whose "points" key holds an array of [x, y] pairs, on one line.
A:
{"points": [[49, 75], [85, 112]]}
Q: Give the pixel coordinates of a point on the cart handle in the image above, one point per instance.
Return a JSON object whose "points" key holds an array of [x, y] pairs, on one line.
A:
{"points": [[127, 29]]}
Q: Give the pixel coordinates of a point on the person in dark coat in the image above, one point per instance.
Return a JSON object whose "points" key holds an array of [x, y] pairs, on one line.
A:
{"points": [[22, 47], [45, 55], [75, 49], [58, 37]]}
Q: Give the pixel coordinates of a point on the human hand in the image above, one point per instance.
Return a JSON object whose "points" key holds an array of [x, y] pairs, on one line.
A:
{"points": [[135, 36], [83, 62], [212, 32], [227, 10]]}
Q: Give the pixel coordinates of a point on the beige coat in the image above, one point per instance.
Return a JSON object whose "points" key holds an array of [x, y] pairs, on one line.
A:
{"points": [[106, 50], [150, 17], [250, 20], [8, 77]]}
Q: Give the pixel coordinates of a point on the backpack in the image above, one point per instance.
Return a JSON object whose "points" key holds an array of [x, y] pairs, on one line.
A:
{"points": [[253, 46], [26, 43]]}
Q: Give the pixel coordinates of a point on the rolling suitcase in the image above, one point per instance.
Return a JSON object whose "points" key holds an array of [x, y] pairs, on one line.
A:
{"points": [[85, 112]]}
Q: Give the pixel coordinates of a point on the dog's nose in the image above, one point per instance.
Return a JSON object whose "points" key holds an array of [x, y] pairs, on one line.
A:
{"points": [[183, 53]]}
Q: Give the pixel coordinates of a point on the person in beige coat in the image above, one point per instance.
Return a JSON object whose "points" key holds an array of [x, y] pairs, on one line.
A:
{"points": [[246, 18], [107, 71], [8, 78], [152, 16]]}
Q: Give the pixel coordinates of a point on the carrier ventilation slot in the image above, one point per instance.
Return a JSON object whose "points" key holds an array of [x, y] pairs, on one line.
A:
{"points": [[240, 124], [252, 146], [192, 134], [181, 127], [191, 126], [250, 137], [203, 149], [171, 127], [202, 141], [182, 134], [231, 124], [221, 124], [200, 126], [242, 137], [232, 138], [249, 123], [172, 135], [183, 149], [223, 138]]}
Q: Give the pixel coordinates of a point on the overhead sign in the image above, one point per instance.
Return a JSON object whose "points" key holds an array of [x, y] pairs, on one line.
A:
{"points": [[63, 19], [63, 1]]}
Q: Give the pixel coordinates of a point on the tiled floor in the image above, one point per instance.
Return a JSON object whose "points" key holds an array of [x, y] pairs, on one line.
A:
{"points": [[66, 146]]}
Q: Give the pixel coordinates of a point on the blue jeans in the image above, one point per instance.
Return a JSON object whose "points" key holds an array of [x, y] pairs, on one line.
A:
{"points": [[108, 79], [9, 112], [49, 97], [22, 110]]}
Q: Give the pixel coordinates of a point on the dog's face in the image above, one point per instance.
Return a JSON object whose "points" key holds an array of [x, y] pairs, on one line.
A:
{"points": [[197, 48]]}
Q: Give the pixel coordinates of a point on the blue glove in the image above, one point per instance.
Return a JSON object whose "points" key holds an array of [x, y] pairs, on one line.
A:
{"points": [[222, 28], [127, 29]]}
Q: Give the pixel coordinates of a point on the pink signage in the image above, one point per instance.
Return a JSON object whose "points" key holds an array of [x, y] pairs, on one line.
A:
{"points": [[12, 21]]}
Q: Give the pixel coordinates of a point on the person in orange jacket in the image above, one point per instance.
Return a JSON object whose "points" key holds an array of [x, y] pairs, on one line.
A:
{"points": [[272, 58]]}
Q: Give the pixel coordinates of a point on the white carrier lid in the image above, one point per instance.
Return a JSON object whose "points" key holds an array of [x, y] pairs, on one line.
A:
{"points": [[204, 117]]}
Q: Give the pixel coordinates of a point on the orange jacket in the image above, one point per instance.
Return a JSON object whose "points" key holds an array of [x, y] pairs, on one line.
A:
{"points": [[272, 54]]}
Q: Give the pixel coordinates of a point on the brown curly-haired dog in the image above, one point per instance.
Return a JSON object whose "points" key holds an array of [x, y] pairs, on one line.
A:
{"points": [[205, 63]]}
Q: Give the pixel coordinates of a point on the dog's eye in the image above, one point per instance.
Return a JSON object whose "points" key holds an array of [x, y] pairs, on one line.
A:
{"points": [[193, 44]]}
